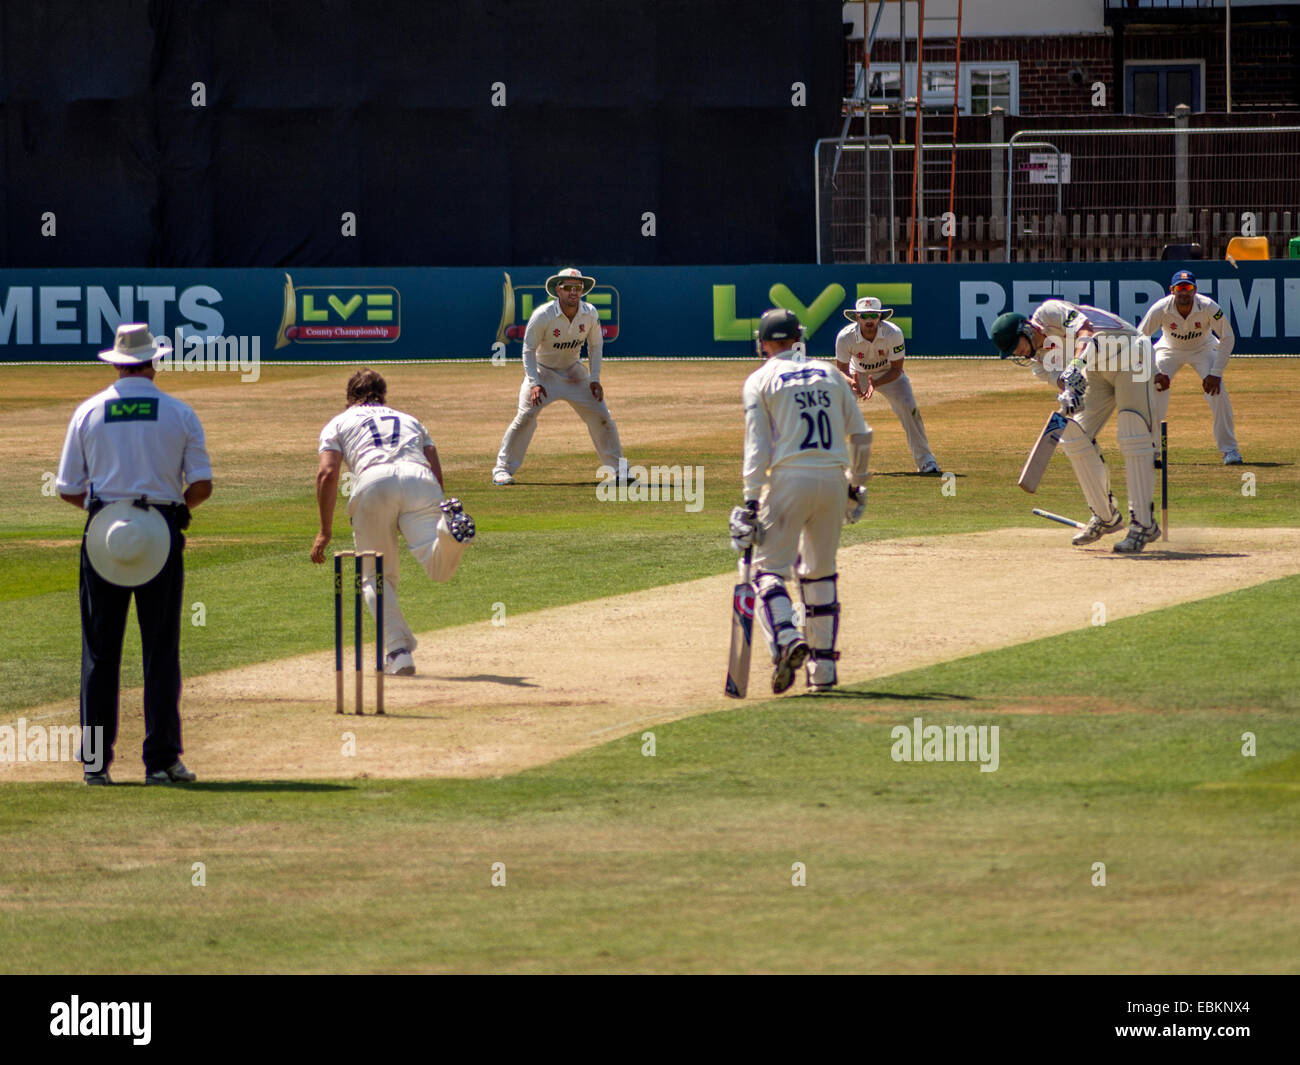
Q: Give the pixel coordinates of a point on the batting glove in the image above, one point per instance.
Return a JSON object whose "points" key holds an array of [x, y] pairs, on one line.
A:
{"points": [[745, 530], [857, 504], [1073, 386]]}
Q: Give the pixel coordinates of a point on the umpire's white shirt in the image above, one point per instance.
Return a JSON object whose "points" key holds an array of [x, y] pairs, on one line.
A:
{"points": [[1191, 335], [798, 412], [869, 356], [553, 341], [133, 440]]}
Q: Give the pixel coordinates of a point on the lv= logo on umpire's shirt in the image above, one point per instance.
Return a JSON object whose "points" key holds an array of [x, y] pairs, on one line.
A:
{"points": [[131, 410]]}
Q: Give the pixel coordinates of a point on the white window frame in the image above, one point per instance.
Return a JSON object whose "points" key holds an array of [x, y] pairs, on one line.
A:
{"points": [[943, 100]]}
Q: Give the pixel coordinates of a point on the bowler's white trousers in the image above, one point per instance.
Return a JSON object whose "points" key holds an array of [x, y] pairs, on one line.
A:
{"points": [[393, 497]]}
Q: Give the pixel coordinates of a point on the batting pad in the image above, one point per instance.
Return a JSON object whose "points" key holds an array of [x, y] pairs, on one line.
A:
{"points": [[1135, 444], [1089, 467]]}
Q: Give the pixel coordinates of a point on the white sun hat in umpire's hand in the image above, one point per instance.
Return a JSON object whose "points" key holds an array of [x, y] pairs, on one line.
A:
{"points": [[128, 544], [571, 274], [868, 305], [134, 344]]}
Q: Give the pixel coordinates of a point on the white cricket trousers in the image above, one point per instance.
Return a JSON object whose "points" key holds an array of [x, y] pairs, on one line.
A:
{"points": [[1132, 400], [401, 496], [1202, 361], [572, 386], [899, 394], [801, 513]]}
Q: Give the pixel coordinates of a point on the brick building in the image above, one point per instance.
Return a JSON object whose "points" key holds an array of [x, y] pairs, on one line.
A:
{"points": [[1041, 57]]}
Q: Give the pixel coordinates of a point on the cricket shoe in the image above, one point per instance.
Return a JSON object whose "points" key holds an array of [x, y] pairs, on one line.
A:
{"points": [[176, 774], [501, 478], [399, 663], [930, 469], [1138, 537], [1097, 528], [459, 524], [100, 779], [792, 656], [1232, 458]]}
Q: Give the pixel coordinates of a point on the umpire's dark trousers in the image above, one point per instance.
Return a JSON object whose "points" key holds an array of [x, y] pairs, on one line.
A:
{"points": [[104, 609]]}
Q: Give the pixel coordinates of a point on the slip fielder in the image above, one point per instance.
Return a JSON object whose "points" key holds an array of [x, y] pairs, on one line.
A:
{"points": [[803, 431], [553, 369], [1110, 362], [869, 353], [1194, 332]]}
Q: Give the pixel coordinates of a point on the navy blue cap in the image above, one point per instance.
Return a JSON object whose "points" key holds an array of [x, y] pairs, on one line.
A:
{"points": [[1183, 277]]}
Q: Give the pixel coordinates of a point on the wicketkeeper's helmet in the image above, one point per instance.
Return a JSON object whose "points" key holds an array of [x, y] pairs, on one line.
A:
{"points": [[1008, 329]]}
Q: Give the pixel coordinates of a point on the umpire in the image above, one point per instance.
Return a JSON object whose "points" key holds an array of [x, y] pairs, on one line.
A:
{"points": [[135, 459]]}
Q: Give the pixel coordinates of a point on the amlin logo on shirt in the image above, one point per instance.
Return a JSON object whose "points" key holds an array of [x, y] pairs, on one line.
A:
{"points": [[339, 314]]}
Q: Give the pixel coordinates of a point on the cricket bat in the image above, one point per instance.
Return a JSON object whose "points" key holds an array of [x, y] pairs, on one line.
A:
{"points": [[742, 632], [1041, 453]]}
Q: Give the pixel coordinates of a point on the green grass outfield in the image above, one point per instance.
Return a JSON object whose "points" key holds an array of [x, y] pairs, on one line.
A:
{"points": [[682, 862], [1119, 745]]}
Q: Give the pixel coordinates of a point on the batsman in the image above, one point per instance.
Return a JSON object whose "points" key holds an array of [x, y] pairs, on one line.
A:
{"points": [[805, 468], [1100, 363]]}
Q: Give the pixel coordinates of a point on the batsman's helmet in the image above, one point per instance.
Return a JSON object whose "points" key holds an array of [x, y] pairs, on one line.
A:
{"points": [[1007, 330], [779, 324]]}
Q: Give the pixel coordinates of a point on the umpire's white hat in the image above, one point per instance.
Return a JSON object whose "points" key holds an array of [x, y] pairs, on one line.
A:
{"points": [[134, 345], [868, 305], [128, 544]]}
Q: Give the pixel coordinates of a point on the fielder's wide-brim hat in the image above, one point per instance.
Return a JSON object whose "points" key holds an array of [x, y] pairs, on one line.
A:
{"points": [[1183, 277], [867, 305], [570, 274], [134, 345], [127, 544]]}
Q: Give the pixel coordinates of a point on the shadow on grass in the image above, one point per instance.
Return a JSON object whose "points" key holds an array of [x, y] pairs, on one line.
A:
{"points": [[264, 786], [914, 473], [1183, 555], [555, 484], [846, 693], [490, 678], [1235, 465]]}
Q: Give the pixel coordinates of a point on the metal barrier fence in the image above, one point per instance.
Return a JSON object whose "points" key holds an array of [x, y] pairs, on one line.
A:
{"points": [[863, 199], [1082, 195], [1177, 173]]}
